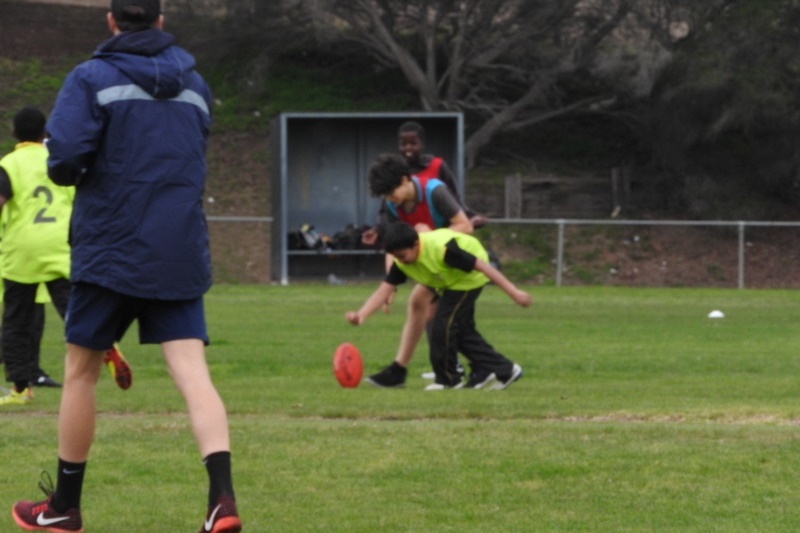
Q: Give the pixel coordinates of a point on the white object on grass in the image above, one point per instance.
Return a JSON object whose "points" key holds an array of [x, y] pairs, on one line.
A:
{"points": [[716, 313]]}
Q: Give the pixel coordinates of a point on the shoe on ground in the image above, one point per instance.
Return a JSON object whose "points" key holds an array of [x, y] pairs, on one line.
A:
{"points": [[17, 398], [432, 375], [442, 386], [502, 384], [40, 516], [392, 376], [436, 386], [479, 380], [222, 518], [43, 380], [118, 367]]}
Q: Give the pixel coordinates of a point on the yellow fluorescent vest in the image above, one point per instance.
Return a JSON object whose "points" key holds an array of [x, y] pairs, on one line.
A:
{"points": [[431, 270], [36, 219]]}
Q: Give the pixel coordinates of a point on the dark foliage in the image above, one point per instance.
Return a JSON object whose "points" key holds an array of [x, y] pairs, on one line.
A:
{"points": [[727, 112]]}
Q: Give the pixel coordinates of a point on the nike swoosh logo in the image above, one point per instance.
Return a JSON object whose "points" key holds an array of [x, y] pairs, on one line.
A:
{"points": [[210, 522], [70, 472], [42, 521]]}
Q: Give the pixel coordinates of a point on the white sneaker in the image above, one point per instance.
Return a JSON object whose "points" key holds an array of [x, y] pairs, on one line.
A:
{"points": [[439, 386], [432, 375], [479, 381], [516, 373]]}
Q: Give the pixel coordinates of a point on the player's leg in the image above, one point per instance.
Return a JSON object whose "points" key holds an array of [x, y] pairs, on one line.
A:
{"points": [[19, 316], [417, 312], [180, 328], [76, 426], [487, 363], [76, 418], [443, 340], [187, 365], [96, 317]]}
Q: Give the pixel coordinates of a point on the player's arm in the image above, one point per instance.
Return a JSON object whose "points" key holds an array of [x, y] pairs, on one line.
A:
{"points": [[459, 222], [74, 130], [520, 297], [455, 257], [380, 298], [372, 304], [447, 204]]}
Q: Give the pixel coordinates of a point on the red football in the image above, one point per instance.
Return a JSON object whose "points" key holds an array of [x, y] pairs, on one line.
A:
{"points": [[347, 365]]}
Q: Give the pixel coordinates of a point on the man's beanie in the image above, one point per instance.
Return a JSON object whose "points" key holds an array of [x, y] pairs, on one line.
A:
{"points": [[126, 10]]}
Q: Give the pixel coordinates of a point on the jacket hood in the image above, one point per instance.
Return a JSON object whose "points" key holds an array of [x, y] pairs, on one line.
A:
{"points": [[149, 59]]}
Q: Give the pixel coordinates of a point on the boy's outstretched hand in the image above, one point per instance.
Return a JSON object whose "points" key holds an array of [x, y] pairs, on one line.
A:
{"points": [[381, 297], [522, 298], [354, 318]]}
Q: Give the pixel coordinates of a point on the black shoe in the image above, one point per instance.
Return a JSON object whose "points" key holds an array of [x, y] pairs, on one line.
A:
{"points": [[478, 380], [392, 376], [43, 380]]}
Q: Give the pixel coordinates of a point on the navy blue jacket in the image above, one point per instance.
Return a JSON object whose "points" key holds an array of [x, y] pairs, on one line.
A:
{"points": [[129, 130]]}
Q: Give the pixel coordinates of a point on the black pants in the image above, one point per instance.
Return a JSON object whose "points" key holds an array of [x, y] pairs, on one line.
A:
{"points": [[22, 318], [453, 330], [39, 331]]}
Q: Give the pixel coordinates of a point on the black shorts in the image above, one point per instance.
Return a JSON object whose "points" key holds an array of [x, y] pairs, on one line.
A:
{"points": [[98, 317]]}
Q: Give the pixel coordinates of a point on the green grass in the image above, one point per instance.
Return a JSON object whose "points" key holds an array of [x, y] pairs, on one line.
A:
{"points": [[636, 413]]}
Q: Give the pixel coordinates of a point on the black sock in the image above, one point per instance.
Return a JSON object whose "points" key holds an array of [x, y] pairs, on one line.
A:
{"points": [[69, 485], [20, 386], [220, 483]]}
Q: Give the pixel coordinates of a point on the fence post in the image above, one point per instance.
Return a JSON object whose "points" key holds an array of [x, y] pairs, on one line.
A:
{"points": [[560, 253], [741, 254], [513, 207]]}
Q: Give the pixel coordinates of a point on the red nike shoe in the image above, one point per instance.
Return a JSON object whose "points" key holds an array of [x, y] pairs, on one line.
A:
{"points": [[39, 516], [222, 518], [119, 367]]}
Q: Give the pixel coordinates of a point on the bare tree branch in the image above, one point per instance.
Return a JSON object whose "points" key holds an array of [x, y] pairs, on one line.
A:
{"points": [[501, 61]]}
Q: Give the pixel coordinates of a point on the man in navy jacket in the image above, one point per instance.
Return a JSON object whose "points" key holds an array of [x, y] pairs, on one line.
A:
{"points": [[129, 130]]}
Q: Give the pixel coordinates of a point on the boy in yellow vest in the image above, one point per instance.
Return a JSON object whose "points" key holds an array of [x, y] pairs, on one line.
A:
{"points": [[456, 265], [35, 248], [35, 221]]}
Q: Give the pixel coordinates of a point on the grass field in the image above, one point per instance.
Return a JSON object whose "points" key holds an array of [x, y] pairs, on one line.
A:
{"points": [[636, 413]]}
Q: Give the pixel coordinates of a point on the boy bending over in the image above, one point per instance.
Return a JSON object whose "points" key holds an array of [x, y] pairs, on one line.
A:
{"points": [[456, 265]]}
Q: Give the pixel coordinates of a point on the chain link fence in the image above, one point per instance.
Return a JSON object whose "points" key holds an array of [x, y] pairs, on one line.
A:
{"points": [[653, 253], [564, 252]]}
